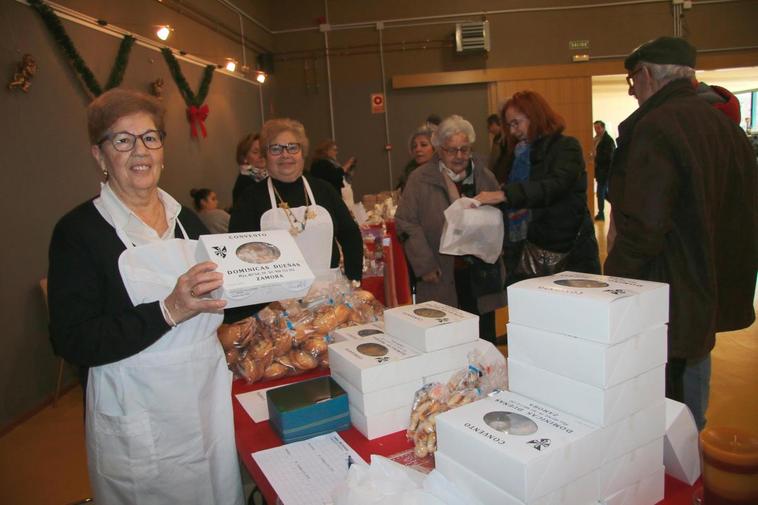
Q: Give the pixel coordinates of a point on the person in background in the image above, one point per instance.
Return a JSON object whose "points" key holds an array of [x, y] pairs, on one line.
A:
{"points": [[433, 120], [544, 198], [685, 206], [128, 305], [325, 166], [721, 99], [421, 151], [252, 164], [459, 281], [206, 205], [603, 156], [308, 207], [496, 130]]}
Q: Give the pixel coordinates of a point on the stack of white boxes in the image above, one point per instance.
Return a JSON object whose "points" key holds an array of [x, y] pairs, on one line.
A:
{"points": [[381, 366], [586, 371]]}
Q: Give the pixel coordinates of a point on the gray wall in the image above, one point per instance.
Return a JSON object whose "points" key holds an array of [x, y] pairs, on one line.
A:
{"points": [[46, 169]]}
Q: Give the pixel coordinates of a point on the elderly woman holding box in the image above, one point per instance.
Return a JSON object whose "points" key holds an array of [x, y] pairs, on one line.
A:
{"points": [[127, 302], [459, 281]]}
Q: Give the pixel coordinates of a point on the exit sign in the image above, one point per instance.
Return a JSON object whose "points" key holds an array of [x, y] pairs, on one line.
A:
{"points": [[579, 44]]}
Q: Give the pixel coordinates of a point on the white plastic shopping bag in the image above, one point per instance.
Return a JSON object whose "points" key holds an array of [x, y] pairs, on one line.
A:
{"points": [[472, 228]]}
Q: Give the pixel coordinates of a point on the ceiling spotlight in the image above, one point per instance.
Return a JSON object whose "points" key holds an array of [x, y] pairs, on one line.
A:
{"points": [[260, 76], [163, 32], [231, 65]]}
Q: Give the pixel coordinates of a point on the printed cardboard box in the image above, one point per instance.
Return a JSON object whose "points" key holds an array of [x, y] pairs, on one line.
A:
{"points": [[378, 425], [648, 491], [258, 267], [357, 332], [632, 467], [594, 307], [586, 361], [431, 326], [375, 362], [596, 405], [635, 431], [526, 448], [381, 401], [582, 491]]}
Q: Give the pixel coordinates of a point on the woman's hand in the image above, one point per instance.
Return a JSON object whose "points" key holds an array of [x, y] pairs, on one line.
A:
{"points": [[491, 197], [433, 276], [186, 300], [348, 164]]}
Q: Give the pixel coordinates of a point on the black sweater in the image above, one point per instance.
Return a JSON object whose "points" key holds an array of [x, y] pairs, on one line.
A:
{"points": [[92, 320], [255, 201]]}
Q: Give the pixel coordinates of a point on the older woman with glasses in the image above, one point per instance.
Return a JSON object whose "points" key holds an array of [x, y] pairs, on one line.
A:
{"points": [[308, 207], [127, 301], [460, 281], [544, 198]]}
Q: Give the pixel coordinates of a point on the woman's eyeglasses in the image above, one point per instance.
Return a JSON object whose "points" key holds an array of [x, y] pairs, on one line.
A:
{"points": [[464, 150], [125, 141], [277, 149]]}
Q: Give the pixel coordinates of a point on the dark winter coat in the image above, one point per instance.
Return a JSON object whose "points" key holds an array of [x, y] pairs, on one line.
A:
{"points": [[684, 188]]}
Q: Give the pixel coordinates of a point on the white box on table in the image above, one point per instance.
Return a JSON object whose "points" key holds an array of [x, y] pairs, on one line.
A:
{"points": [[357, 332], [378, 425], [629, 468], [648, 491], [430, 326], [595, 405], [524, 447], [595, 307], [382, 400], [376, 362], [681, 448], [258, 267], [634, 431], [600, 365], [582, 491]]}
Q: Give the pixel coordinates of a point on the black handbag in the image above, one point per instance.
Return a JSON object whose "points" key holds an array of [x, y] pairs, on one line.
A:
{"points": [[537, 262], [485, 278]]}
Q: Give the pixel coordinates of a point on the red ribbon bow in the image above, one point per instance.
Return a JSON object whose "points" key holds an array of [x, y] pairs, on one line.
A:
{"points": [[197, 115]]}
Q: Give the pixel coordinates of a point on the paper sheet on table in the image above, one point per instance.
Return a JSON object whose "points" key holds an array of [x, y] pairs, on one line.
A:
{"points": [[307, 472], [255, 404]]}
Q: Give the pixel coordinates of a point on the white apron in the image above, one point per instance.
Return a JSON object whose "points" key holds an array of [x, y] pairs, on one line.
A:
{"points": [[159, 424], [315, 241]]}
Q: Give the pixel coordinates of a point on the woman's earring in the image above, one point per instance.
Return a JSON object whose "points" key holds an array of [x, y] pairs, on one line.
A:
{"points": [[105, 174]]}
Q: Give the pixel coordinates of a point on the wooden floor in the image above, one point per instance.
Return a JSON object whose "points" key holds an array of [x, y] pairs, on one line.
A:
{"points": [[43, 460]]}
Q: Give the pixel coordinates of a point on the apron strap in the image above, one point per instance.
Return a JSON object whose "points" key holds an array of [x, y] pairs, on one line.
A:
{"points": [[181, 227], [271, 192], [308, 189]]}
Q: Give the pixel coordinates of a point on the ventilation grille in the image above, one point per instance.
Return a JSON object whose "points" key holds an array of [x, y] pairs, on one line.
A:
{"points": [[470, 37]]}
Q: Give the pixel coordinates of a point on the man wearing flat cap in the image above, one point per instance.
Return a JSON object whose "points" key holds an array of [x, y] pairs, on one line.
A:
{"points": [[684, 191]]}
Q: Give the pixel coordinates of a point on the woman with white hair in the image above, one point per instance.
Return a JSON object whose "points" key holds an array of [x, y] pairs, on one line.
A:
{"points": [[460, 281]]}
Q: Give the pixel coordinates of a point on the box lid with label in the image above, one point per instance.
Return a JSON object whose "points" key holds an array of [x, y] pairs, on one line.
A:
{"points": [[430, 326], [594, 307], [600, 365], [258, 267], [375, 362], [599, 406], [526, 448]]}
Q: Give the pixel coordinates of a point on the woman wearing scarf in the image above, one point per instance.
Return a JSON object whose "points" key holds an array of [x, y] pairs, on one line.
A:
{"points": [[544, 197], [459, 281]]}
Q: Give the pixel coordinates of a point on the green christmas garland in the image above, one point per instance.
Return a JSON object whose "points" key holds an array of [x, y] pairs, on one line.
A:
{"points": [[189, 97], [54, 25]]}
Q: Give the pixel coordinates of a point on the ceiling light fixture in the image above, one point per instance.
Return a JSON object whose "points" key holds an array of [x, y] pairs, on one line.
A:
{"points": [[260, 76], [163, 32], [231, 64]]}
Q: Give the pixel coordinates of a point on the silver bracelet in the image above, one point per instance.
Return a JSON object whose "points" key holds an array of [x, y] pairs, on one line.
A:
{"points": [[166, 314]]}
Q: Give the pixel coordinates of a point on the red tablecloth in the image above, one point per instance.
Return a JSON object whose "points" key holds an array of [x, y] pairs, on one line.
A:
{"points": [[252, 437]]}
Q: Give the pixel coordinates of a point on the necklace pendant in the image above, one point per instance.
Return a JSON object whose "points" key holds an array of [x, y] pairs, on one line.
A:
{"points": [[294, 231], [311, 214], [284, 205]]}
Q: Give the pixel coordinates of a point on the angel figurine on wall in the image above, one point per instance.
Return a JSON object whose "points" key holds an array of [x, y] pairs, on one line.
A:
{"points": [[22, 78]]}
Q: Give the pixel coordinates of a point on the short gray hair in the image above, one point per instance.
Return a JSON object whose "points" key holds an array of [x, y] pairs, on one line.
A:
{"points": [[667, 72], [450, 126]]}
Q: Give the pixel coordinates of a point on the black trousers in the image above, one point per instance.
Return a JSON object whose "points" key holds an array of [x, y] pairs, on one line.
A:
{"points": [[467, 302]]}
